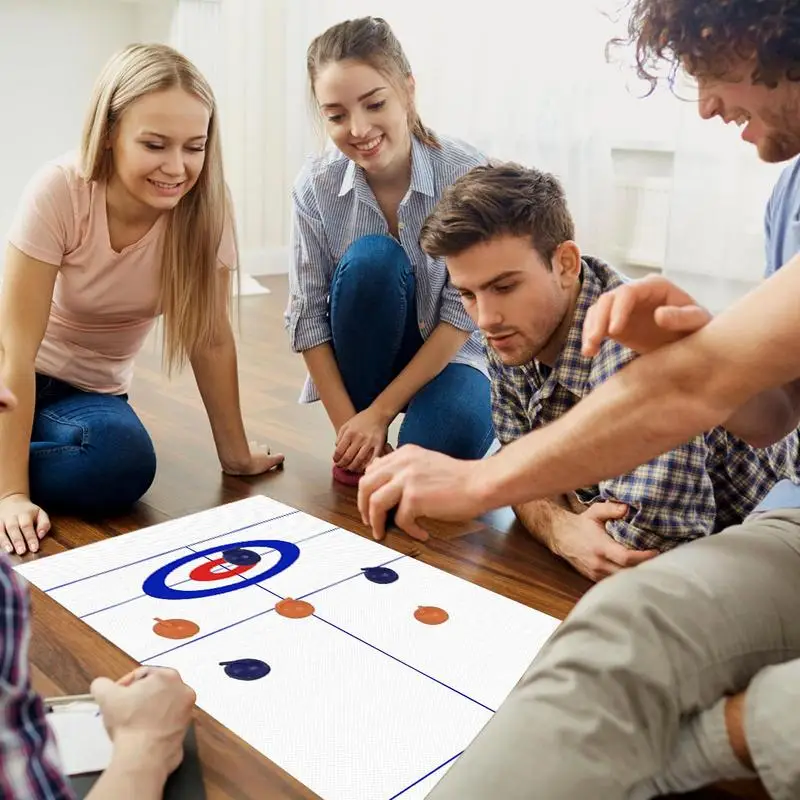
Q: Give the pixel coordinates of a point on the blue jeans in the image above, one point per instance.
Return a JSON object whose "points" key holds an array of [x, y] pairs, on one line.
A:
{"points": [[90, 454], [375, 335]]}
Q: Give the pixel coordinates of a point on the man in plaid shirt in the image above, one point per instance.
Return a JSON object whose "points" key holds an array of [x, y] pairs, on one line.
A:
{"points": [[146, 714], [507, 236]]}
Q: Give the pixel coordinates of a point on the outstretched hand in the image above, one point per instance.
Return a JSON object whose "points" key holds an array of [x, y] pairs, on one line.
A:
{"points": [[417, 483], [643, 315]]}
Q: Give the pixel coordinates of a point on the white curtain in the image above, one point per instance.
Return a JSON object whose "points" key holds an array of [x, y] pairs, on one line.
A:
{"points": [[239, 46], [196, 29]]}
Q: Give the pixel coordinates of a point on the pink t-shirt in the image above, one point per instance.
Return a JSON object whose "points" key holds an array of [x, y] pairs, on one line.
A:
{"points": [[104, 302]]}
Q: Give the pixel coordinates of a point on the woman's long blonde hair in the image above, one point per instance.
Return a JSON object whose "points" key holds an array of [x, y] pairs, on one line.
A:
{"points": [[191, 301]]}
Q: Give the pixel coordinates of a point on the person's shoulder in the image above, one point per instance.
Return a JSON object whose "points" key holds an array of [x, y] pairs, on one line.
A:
{"points": [[613, 356], [454, 153], [606, 276], [58, 174], [325, 169], [787, 187], [610, 359]]}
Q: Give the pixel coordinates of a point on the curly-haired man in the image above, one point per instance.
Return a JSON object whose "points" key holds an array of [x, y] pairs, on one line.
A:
{"points": [[685, 670]]}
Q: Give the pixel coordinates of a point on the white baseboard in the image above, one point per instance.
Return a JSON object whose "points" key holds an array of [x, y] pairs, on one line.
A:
{"points": [[266, 261], [248, 286]]}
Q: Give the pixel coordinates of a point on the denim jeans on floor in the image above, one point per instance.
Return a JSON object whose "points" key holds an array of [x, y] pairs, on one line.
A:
{"points": [[375, 335], [89, 454]]}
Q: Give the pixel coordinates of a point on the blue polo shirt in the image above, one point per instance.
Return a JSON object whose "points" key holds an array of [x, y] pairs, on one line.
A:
{"points": [[782, 227]]}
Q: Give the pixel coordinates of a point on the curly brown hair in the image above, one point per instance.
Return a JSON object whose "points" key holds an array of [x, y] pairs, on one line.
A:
{"points": [[708, 37]]}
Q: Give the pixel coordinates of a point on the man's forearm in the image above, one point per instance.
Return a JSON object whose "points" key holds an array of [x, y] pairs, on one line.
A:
{"points": [[657, 402], [621, 425], [129, 777], [539, 517], [768, 417]]}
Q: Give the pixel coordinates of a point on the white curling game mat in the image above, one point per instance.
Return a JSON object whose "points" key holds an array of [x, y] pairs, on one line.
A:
{"points": [[361, 672]]}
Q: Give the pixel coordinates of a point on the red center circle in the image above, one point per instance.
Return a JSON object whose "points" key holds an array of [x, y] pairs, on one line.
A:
{"points": [[205, 571]]}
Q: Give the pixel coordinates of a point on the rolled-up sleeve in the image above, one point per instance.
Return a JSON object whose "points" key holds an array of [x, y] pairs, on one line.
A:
{"points": [[310, 273]]}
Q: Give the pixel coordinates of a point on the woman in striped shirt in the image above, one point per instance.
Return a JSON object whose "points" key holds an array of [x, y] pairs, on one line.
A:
{"points": [[379, 326]]}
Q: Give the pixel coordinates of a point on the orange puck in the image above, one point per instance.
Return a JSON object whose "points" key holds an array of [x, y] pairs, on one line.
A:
{"points": [[294, 609], [175, 628], [431, 615]]}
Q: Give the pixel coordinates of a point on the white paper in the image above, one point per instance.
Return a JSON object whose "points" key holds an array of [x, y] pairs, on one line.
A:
{"points": [[362, 701], [83, 743]]}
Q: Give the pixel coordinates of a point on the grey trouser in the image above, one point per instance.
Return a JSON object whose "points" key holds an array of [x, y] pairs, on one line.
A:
{"points": [[599, 709]]}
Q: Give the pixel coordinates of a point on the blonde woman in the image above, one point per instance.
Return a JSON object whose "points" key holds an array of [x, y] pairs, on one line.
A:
{"points": [[138, 225]]}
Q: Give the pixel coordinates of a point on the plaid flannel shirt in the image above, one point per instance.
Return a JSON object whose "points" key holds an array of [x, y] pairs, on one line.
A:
{"points": [[29, 763], [711, 482]]}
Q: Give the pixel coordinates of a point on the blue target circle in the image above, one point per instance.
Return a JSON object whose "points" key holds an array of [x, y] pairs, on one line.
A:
{"points": [[156, 584]]}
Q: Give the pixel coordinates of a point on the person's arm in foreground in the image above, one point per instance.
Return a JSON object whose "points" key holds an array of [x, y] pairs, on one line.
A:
{"points": [[649, 407], [146, 718], [146, 715], [653, 312]]}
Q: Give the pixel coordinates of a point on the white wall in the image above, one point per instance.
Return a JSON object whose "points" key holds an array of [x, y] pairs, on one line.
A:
{"points": [[50, 54], [650, 185], [239, 47], [641, 175], [254, 123], [52, 50]]}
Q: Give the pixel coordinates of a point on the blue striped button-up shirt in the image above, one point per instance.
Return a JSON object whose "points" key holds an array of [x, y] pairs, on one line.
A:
{"points": [[334, 206]]}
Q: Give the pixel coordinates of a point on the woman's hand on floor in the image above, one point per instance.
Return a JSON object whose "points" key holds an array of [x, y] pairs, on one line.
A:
{"points": [[261, 460], [22, 524], [360, 440]]}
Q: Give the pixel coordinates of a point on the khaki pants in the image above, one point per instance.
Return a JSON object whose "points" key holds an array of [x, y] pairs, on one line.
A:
{"points": [[599, 709]]}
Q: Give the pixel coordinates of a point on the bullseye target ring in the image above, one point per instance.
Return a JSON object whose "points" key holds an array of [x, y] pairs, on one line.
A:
{"points": [[209, 570]]}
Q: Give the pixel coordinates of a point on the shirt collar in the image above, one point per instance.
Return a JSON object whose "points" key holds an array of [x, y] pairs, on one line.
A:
{"points": [[422, 177], [572, 368]]}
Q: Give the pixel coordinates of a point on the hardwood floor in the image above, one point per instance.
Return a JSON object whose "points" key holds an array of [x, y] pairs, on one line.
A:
{"points": [[494, 552]]}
